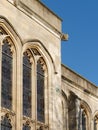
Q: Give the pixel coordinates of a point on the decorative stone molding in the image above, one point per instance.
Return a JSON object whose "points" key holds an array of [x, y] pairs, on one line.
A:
{"points": [[9, 114], [96, 119], [42, 126], [28, 121], [29, 54], [42, 63], [35, 52], [5, 38]]}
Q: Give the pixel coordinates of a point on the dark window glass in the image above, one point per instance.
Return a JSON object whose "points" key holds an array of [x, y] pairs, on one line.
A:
{"points": [[6, 76], [26, 86], [83, 121], [26, 127], [40, 92], [95, 123], [5, 124]]}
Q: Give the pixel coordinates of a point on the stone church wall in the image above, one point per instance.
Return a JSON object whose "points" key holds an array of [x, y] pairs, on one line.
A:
{"points": [[82, 95], [29, 25]]}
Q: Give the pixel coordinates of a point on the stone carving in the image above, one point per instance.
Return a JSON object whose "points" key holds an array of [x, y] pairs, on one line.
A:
{"points": [[10, 115], [35, 52]]}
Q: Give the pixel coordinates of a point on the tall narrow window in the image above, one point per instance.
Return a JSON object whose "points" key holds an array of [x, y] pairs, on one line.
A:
{"points": [[26, 86], [6, 100], [5, 124], [40, 91]]}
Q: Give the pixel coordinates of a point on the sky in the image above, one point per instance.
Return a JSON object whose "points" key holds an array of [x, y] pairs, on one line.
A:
{"points": [[80, 21]]}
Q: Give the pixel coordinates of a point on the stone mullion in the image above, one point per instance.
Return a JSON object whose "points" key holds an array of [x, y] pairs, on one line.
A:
{"points": [[46, 102], [33, 89], [19, 93], [14, 86], [14, 82], [36, 59]]}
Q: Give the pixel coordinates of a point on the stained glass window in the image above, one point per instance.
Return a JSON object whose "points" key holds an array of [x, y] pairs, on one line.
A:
{"points": [[6, 76], [40, 92], [26, 86], [5, 124], [26, 127]]}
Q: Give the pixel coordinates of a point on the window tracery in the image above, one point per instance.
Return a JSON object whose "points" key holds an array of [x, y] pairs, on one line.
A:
{"points": [[26, 127], [6, 123], [28, 123], [7, 81]]}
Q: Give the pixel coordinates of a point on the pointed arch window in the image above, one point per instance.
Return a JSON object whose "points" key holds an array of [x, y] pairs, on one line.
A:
{"points": [[40, 90], [7, 67], [5, 124], [26, 85]]}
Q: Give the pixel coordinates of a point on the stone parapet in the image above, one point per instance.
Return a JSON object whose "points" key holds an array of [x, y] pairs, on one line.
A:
{"points": [[79, 81]]}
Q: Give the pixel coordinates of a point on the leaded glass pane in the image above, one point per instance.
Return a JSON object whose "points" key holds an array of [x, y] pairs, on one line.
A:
{"points": [[6, 76], [26, 127], [40, 92], [5, 124], [26, 86], [83, 121]]}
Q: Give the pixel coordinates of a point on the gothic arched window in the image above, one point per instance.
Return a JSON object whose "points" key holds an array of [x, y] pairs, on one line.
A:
{"points": [[7, 61], [26, 85], [5, 124], [40, 90]]}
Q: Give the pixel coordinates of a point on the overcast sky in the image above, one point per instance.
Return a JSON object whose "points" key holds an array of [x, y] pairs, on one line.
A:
{"points": [[80, 21]]}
